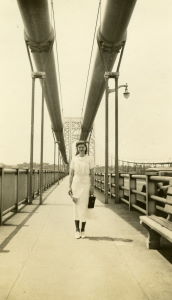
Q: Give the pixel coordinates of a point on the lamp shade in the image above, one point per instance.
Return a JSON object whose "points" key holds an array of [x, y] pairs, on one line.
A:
{"points": [[126, 94]]}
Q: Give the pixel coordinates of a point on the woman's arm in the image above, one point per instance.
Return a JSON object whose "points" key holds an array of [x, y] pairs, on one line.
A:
{"points": [[71, 174], [70, 185]]}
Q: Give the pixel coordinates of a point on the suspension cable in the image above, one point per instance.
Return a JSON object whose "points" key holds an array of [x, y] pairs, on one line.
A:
{"points": [[99, 6], [100, 14], [58, 67], [29, 56]]}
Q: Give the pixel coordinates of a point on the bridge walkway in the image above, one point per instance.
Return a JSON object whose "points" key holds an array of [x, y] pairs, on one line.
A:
{"points": [[41, 260]]}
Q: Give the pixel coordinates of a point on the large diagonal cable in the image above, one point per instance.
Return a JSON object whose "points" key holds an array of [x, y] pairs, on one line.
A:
{"points": [[98, 11], [58, 66]]}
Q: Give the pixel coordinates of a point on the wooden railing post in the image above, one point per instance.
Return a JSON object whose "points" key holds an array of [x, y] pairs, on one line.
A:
{"points": [[102, 182], [45, 181], [96, 183], [33, 185], [150, 190], [100, 177], [28, 184], [110, 186], [1, 193], [17, 191], [121, 184], [132, 186]]}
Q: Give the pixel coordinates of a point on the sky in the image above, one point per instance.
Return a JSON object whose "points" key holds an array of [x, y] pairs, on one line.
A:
{"points": [[144, 119]]}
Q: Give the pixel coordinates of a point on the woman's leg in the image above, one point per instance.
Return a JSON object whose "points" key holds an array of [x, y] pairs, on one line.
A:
{"points": [[83, 226], [83, 230], [77, 225], [77, 232]]}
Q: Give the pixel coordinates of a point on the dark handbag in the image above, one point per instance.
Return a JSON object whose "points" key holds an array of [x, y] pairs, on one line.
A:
{"points": [[91, 201]]}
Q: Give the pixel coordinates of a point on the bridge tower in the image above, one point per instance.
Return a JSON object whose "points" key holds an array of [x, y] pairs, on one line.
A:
{"points": [[72, 131]]}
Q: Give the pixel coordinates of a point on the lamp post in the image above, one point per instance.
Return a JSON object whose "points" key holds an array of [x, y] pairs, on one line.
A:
{"points": [[58, 142], [106, 139], [55, 160], [115, 76], [42, 77]]}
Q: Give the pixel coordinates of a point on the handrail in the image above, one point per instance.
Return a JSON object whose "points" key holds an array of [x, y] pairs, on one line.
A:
{"points": [[140, 192], [145, 163], [161, 178], [15, 186], [160, 199], [138, 176]]}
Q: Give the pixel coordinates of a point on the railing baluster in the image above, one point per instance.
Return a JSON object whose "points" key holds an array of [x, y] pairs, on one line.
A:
{"points": [[150, 190], [121, 184], [1, 193], [28, 185], [17, 191], [132, 186]]}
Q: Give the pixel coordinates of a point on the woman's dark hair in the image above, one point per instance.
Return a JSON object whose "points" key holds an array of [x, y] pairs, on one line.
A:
{"points": [[78, 144]]}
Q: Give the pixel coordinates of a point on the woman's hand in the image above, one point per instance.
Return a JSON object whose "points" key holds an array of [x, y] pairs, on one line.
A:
{"points": [[92, 189], [71, 195], [74, 199], [70, 192]]}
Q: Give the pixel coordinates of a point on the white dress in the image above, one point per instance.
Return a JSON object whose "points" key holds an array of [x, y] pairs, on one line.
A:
{"points": [[81, 185]]}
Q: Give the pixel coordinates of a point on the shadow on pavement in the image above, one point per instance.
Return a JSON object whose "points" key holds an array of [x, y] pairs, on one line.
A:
{"points": [[32, 209], [57, 204], [121, 209], [107, 238], [132, 217], [166, 250]]}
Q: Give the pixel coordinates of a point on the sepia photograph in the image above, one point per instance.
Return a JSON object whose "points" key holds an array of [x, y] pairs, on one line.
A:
{"points": [[85, 150]]}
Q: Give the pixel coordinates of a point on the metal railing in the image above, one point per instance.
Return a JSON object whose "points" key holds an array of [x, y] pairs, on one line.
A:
{"points": [[145, 193], [14, 187], [137, 167]]}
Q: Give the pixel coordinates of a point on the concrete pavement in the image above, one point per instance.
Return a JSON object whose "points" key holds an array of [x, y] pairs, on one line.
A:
{"points": [[41, 260]]}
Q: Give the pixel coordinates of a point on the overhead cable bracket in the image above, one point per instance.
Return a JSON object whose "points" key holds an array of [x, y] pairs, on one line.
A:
{"points": [[107, 46], [43, 46]]}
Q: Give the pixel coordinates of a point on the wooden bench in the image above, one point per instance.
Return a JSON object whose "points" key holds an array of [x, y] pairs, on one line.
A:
{"points": [[158, 226]]}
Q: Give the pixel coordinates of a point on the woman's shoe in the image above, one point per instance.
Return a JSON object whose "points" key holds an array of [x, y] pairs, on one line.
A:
{"points": [[77, 235], [83, 234]]}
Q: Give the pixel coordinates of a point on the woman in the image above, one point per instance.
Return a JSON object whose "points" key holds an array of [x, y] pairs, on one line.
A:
{"points": [[81, 185]]}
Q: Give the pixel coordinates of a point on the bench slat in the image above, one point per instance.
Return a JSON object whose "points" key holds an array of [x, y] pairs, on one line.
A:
{"points": [[157, 227], [162, 221]]}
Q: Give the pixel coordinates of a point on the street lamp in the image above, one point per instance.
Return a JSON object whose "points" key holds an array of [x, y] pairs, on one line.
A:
{"points": [[115, 76], [42, 77], [126, 92]]}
